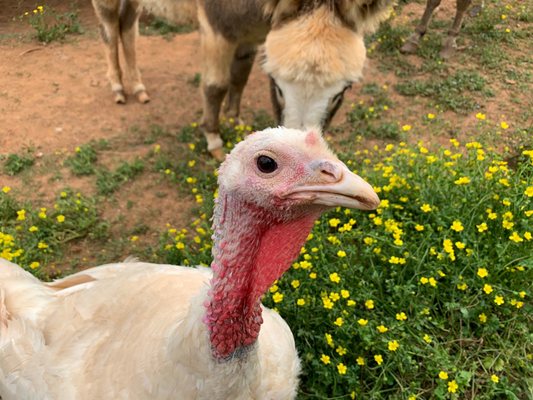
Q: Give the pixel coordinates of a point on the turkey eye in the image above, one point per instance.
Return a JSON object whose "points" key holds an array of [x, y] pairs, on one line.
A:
{"points": [[266, 164]]}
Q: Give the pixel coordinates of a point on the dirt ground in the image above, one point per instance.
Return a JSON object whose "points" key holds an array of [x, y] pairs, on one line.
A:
{"points": [[56, 97]]}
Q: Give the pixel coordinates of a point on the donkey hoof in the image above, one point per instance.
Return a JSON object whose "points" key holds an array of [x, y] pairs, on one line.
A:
{"points": [[218, 154], [120, 97], [142, 97]]}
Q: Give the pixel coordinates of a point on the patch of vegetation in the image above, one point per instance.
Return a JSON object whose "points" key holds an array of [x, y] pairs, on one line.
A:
{"points": [[196, 80], [388, 39], [157, 26], [50, 26], [108, 182], [85, 157], [450, 91], [15, 163], [35, 237], [367, 118]]}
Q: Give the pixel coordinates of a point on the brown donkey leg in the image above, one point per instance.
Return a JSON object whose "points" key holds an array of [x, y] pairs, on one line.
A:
{"points": [[450, 44], [411, 45], [107, 12], [240, 71], [129, 28], [217, 55]]}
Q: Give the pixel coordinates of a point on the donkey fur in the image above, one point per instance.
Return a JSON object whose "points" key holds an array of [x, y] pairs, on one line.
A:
{"points": [[313, 42]]}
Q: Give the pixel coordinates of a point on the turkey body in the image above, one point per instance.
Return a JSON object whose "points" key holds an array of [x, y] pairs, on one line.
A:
{"points": [[132, 331]]}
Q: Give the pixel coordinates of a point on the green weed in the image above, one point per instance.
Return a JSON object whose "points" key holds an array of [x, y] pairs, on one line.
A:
{"points": [[15, 164], [450, 92], [108, 182], [50, 26]]}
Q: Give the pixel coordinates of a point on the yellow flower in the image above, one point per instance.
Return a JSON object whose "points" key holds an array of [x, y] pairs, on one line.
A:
{"points": [[482, 272], [443, 375], [382, 329], [378, 358], [277, 297], [300, 302], [134, 238], [427, 338], [325, 359], [393, 345], [360, 361], [369, 304], [341, 368], [431, 116], [457, 226], [21, 215], [34, 265], [424, 280], [329, 339], [504, 125], [426, 208], [406, 128], [60, 218], [345, 294], [487, 288], [312, 275], [341, 350], [481, 116], [295, 283], [341, 253], [334, 222], [6, 189], [499, 300], [515, 237], [339, 321], [33, 228], [419, 227], [433, 282], [452, 386], [362, 322], [482, 227], [42, 245], [334, 277], [494, 378], [401, 316], [482, 318], [462, 180], [529, 191], [462, 286]]}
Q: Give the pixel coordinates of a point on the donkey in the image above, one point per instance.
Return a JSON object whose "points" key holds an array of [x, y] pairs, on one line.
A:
{"points": [[450, 45], [313, 51]]}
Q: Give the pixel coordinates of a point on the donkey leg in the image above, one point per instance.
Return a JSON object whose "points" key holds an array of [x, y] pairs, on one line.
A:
{"points": [[129, 28], [108, 13], [450, 45], [411, 45], [240, 71], [217, 55]]}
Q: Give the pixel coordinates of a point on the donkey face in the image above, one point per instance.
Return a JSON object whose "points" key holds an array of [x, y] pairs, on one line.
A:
{"points": [[302, 104], [312, 60]]}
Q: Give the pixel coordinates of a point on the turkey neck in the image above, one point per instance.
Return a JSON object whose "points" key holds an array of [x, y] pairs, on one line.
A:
{"points": [[253, 246]]}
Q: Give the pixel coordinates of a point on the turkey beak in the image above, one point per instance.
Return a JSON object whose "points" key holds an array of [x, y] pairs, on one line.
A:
{"points": [[334, 185]]}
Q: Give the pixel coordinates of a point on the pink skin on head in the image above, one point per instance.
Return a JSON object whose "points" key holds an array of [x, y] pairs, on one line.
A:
{"points": [[311, 139]]}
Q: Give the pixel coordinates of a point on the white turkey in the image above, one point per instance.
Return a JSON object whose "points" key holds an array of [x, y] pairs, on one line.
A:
{"points": [[137, 331]]}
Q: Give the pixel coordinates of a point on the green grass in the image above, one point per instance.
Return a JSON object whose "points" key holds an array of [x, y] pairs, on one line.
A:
{"points": [[454, 92], [15, 163], [85, 157], [107, 182], [160, 27]]}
